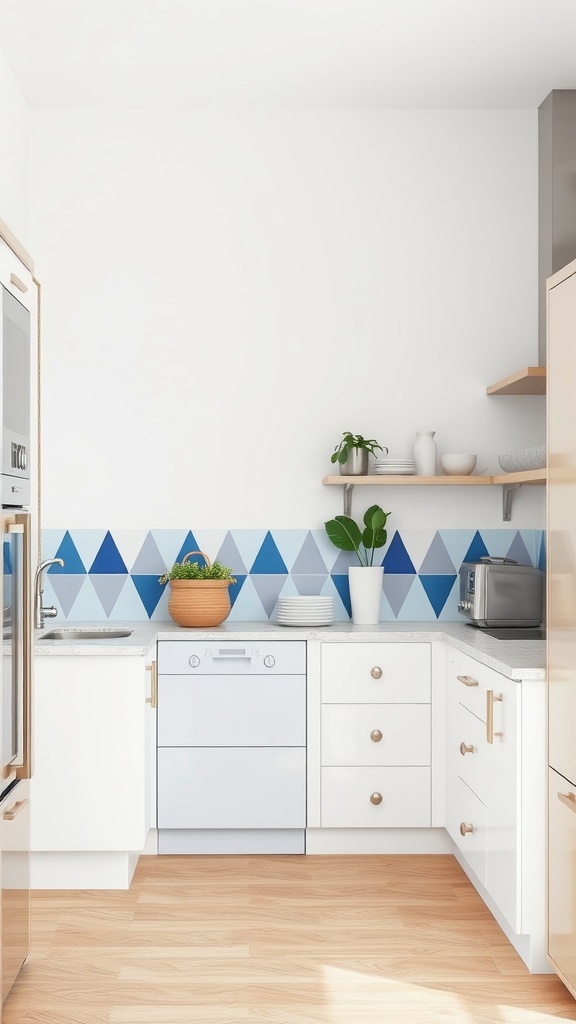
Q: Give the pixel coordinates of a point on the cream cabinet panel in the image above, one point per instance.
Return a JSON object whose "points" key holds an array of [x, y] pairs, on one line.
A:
{"points": [[562, 876], [376, 734], [375, 673], [229, 788], [375, 797]]}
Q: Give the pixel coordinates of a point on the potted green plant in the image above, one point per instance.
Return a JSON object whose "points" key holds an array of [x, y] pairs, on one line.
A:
{"points": [[365, 579], [199, 594], [351, 453]]}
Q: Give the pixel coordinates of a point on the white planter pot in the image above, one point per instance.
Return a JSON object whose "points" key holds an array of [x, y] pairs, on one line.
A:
{"points": [[365, 593]]}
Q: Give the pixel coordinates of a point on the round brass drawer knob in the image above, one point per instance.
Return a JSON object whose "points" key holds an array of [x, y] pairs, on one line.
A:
{"points": [[376, 672], [464, 749], [376, 735], [465, 829], [376, 798]]}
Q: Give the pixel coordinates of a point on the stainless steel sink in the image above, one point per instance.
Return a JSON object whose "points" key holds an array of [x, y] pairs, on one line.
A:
{"points": [[106, 633]]}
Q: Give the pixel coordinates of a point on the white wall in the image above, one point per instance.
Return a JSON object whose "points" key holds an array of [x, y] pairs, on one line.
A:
{"points": [[14, 118], [224, 294]]}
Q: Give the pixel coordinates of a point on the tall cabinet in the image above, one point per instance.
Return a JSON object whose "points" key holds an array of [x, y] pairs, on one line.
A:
{"points": [[561, 622]]}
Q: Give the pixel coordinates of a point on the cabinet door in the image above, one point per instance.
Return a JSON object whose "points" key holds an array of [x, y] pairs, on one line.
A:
{"points": [[562, 876], [15, 917], [467, 826], [151, 742], [235, 787], [375, 673], [502, 755], [372, 734], [468, 752], [376, 797], [89, 783]]}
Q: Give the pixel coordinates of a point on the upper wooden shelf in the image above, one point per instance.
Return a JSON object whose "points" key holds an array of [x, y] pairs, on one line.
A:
{"points": [[530, 381]]}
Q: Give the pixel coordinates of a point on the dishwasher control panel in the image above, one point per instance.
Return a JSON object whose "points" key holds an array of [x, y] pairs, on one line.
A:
{"points": [[229, 657]]}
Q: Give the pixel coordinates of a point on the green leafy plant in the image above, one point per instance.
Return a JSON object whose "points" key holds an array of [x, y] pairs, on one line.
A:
{"points": [[193, 571], [347, 535], [350, 441]]}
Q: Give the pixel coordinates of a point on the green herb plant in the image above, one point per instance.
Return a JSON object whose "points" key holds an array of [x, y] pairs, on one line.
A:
{"points": [[194, 571], [347, 535], [350, 441]]}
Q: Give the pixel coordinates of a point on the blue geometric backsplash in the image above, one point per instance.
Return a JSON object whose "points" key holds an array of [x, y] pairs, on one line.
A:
{"points": [[113, 574]]}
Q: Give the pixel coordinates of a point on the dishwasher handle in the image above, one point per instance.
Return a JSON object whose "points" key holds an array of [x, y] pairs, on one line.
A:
{"points": [[232, 654]]}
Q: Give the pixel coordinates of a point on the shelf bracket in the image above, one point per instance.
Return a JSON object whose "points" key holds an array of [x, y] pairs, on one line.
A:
{"points": [[348, 488], [507, 492]]}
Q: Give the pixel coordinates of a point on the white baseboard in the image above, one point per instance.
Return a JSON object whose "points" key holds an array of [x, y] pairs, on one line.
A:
{"points": [[377, 840], [82, 870]]}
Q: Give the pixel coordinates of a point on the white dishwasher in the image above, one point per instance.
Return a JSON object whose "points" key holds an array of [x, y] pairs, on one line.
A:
{"points": [[231, 746]]}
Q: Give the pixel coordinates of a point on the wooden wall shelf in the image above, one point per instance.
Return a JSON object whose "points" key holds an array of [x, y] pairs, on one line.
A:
{"points": [[529, 381]]}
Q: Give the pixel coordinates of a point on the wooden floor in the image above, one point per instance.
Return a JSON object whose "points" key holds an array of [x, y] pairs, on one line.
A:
{"points": [[279, 940]]}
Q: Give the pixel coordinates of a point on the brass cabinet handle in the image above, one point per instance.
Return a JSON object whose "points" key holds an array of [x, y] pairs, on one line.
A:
{"points": [[464, 749], [152, 700], [465, 829], [569, 799], [376, 735], [11, 813], [376, 798], [18, 283], [467, 680], [491, 698], [376, 672]]}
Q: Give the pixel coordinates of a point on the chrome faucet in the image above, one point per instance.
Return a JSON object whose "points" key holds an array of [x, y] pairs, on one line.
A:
{"points": [[40, 612]]}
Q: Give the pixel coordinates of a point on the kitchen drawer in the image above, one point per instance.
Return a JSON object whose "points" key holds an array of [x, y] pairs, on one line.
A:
{"points": [[562, 876], [239, 787], [347, 731], [472, 766], [375, 673], [475, 679], [465, 809], [231, 657], [237, 711], [346, 796]]}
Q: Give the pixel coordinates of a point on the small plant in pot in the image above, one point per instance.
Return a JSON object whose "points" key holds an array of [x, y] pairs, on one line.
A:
{"points": [[365, 579], [351, 453], [199, 594]]}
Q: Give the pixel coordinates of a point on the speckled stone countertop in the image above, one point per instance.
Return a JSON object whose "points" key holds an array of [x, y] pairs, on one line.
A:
{"points": [[517, 659]]}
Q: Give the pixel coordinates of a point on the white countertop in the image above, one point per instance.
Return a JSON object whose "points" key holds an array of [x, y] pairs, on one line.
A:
{"points": [[517, 659]]}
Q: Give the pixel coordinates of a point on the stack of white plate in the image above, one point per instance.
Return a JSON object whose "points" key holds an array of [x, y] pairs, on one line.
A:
{"points": [[394, 467], [304, 611]]}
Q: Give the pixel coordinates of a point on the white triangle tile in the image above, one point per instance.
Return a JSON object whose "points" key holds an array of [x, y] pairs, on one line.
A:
{"points": [[129, 543], [417, 544], [289, 544], [248, 606], [249, 543], [87, 544], [210, 541], [51, 541]]}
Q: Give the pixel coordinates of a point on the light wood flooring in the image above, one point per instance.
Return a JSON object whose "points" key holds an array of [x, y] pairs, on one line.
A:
{"points": [[279, 940]]}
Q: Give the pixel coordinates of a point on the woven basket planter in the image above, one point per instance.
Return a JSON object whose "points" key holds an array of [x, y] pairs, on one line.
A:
{"points": [[194, 603]]}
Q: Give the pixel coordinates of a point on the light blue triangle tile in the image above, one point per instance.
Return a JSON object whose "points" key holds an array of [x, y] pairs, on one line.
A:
{"points": [[51, 541], [108, 588], [309, 585], [149, 561], [88, 543], [248, 606], [457, 543], [386, 612], [161, 613], [268, 587], [532, 539], [87, 606], [328, 552], [210, 541], [518, 551], [289, 544], [309, 559], [129, 607], [229, 555], [450, 611], [343, 561], [417, 544], [169, 543], [248, 543], [417, 607], [396, 589], [130, 543], [437, 560], [289, 589], [51, 598], [340, 613], [66, 589], [497, 541]]}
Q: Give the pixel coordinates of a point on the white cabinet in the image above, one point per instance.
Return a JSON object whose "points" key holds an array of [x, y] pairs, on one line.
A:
{"points": [[91, 798], [375, 735], [232, 747], [16, 278], [496, 796]]}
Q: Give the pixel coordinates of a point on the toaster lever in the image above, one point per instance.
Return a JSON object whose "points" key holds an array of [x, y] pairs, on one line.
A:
{"points": [[495, 560]]}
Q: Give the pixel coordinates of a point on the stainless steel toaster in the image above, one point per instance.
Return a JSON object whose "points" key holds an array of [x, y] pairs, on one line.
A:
{"points": [[500, 592]]}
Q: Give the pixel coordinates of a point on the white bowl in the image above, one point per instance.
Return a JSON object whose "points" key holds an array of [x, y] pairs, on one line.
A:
{"points": [[523, 458], [458, 465]]}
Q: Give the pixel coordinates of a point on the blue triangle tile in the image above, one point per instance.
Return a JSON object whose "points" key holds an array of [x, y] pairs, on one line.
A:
{"points": [[161, 613], [518, 551], [248, 543], [87, 543], [397, 560], [437, 589], [50, 541], [108, 560], [190, 544], [73, 564], [128, 607], [416, 607], [542, 553], [476, 550], [268, 561], [396, 588], [309, 585], [289, 544], [309, 559], [235, 588], [457, 542], [268, 587], [150, 591], [497, 541], [329, 590], [450, 611], [437, 561], [149, 561], [108, 588], [343, 588]]}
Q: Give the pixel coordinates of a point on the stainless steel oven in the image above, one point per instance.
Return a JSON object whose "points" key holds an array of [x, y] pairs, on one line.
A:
{"points": [[15, 401]]}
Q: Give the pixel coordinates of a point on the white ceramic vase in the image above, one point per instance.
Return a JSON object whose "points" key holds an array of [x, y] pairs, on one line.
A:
{"points": [[365, 582], [425, 453]]}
